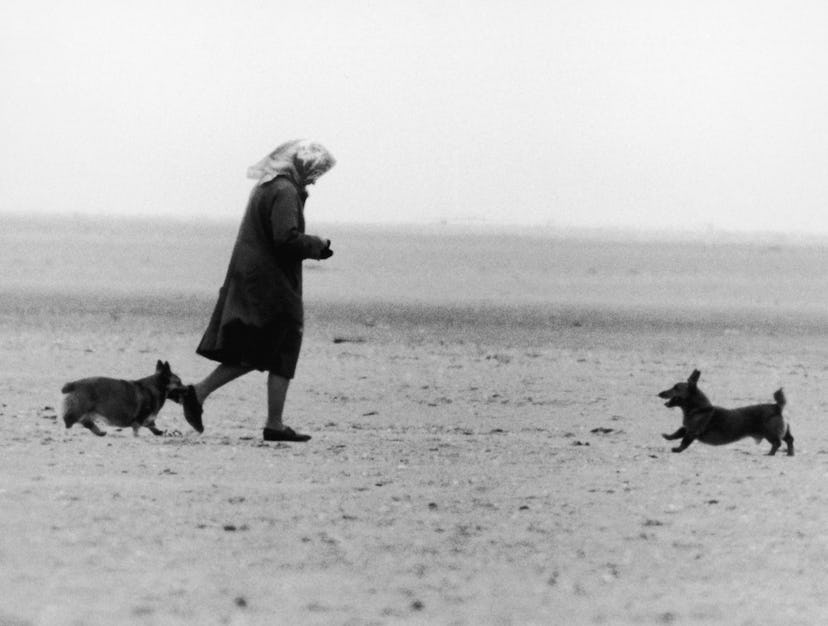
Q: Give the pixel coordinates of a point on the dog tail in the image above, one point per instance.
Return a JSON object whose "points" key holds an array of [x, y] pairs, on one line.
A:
{"points": [[779, 396], [68, 388]]}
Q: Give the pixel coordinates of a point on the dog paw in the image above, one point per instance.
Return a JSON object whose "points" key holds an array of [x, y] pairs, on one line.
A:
{"points": [[677, 449]]}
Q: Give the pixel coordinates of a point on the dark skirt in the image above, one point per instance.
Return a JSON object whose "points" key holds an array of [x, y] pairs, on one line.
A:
{"points": [[274, 348]]}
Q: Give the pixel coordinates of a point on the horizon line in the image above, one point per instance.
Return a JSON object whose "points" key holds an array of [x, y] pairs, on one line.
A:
{"points": [[476, 226]]}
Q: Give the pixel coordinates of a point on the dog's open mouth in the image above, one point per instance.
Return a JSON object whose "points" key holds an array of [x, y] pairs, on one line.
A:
{"points": [[671, 400]]}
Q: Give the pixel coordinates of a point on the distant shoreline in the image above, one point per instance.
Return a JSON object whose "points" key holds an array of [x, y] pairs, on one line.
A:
{"points": [[709, 236], [441, 267], [539, 322]]}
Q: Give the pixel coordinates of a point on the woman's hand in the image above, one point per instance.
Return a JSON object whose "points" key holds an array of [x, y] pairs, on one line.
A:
{"points": [[326, 253]]}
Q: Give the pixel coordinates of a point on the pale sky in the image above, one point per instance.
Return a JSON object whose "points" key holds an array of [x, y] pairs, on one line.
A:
{"points": [[652, 114]]}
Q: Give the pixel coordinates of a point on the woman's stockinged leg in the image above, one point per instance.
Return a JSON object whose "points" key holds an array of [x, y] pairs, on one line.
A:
{"points": [[219, 377], [275, 430], [194, 395], [277, 388]]}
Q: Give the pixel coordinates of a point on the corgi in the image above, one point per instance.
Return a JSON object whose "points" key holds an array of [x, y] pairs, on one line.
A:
{"points": [[122, 403]]}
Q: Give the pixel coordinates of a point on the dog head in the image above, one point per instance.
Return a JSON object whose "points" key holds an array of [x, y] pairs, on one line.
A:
{"points": [[682, 394], [169, 380]]}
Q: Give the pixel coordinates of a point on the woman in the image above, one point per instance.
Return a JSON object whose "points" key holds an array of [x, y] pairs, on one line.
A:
{"points": [[257, 321]]}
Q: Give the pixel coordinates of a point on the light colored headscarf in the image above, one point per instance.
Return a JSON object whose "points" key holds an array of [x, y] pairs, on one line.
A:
{"points": [[301, 159]]}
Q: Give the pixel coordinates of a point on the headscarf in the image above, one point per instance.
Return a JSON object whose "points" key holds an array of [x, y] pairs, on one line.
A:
{"points": [[302, 160]]}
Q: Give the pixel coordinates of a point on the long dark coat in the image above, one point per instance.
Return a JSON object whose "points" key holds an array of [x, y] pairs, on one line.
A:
{"points": [[263, 287]]}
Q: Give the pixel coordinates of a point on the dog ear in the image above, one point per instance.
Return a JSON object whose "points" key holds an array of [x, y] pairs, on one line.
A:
{"points": [[159, 366], [694, 377]]}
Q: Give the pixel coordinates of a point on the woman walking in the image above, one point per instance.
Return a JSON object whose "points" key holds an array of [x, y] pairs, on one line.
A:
{"points": [[258, 320]]}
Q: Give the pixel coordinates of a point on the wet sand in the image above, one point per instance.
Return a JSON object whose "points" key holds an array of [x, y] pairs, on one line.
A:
{"points": [[486, 437]]}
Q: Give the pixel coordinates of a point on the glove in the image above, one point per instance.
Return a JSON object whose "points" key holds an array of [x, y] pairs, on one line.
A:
{"points": [[326, 253]]}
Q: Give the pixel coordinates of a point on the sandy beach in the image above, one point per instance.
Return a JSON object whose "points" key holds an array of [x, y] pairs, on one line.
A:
{"points": [[486, 434]]}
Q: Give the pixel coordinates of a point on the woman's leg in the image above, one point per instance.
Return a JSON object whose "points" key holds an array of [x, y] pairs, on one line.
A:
{"points": [[194, 395], [219, 377], [277, 387], [275, 429]]}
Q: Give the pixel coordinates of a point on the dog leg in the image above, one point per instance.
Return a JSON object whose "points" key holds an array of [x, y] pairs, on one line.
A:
{"points": [[686, 441], [70, 418], [788, 439], [676, 435], [155, 431], [93, 427], [149, 422], [775, 443]]}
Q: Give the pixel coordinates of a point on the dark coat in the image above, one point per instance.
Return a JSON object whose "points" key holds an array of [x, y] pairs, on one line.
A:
{"points": [[263, 286]]}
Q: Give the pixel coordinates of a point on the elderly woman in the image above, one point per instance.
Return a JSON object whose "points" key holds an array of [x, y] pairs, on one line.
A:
{"points": [[257, 321]]}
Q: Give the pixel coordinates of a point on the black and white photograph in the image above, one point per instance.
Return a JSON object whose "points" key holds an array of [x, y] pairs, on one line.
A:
{"points": [[378, 312]]}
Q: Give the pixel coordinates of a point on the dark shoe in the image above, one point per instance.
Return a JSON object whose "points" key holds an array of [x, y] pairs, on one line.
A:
{"points": [[192, 409], [288, 434]]}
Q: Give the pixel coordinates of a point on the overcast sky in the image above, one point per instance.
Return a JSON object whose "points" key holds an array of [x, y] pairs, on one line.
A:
{"points": [[660, 114]]}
